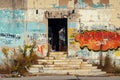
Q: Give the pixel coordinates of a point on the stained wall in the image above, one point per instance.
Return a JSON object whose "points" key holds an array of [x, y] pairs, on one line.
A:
{"points": [[28, 21]]}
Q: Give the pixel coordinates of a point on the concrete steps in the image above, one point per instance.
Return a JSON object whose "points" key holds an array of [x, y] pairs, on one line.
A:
{"points": [[67, 68], [62, 67], [65, 61], [74, 72], [58, 63]]}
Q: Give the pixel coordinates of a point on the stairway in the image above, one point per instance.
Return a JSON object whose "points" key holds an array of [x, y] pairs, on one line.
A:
{"points": [[58, 63]]}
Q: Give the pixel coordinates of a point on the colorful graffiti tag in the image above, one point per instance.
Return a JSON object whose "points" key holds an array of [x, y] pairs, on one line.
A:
{"points": [[42, 49], [98, 40], [37, 32]]}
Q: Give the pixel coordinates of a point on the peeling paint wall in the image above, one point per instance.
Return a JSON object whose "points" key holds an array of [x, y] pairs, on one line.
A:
{"points": [[36, 31], [94, 15], [89, 20], [11, 27], [28, 21], [34, 15], [10, 4]]}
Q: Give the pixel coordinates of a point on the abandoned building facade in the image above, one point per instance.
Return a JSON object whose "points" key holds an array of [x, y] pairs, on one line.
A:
{"points": [[82, 28]]}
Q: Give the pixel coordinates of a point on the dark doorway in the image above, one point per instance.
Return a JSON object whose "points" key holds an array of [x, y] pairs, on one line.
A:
{"points": [[57, 34]]}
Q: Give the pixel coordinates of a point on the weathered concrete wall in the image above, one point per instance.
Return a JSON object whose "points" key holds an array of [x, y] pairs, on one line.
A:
{"points": [[32, 23], [37, 30], [5, 4], [45, 4], [35, 15], [12, 4], [11, 27], [115, 18], [94, 15]]}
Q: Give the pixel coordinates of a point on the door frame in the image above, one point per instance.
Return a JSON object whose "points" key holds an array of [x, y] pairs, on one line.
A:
{"points": [[66, 34]]}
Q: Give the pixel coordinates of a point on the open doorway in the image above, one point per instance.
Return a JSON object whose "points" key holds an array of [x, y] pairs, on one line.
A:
{"points": [[57, 34]]}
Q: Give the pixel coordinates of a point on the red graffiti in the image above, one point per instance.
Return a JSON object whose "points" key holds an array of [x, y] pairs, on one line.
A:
{"points": [[40, 49], [98, 40]]}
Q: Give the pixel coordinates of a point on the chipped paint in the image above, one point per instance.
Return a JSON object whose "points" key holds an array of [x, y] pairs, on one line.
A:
{"points": [[17, 26], [11, 27]]}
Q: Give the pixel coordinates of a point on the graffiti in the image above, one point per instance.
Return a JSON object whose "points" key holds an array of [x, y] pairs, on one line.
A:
{"points": [[59, 14], [41, 41], [36, 31], [83, 27], [72, 30], [42, 38], [42, 50], [9, 36], [99, 40], [11, 27]]}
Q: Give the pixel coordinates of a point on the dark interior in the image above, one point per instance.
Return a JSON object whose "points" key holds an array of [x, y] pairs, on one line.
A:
{"points": [[57, 34]]}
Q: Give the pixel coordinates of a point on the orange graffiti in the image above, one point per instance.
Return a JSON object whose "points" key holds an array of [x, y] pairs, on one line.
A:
{"points": [[94, 40], [40, 49]]}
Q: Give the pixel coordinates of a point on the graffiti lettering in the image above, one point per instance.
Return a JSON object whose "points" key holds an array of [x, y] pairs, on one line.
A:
{"points": [[42, 49], [9, 35]]}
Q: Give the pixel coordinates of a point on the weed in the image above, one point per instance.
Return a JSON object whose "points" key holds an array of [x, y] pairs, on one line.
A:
{"points": [[18, 60]]}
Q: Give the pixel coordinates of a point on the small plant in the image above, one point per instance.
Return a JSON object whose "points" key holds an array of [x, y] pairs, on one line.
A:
{"points": [[108, 64], [117, 70], [6, 69], [19, 60]]}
